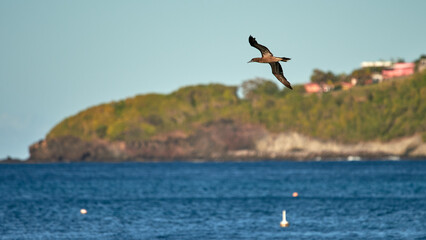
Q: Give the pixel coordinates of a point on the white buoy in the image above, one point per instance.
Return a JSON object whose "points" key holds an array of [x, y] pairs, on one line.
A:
{"points": [[284, 222], [83, 211]]}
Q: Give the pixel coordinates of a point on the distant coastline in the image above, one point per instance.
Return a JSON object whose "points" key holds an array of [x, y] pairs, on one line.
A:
{"points": [[10, 160], [266, 146]]}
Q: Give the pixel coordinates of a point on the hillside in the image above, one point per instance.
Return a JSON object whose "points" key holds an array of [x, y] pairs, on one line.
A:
{"points": [[375, 113]]}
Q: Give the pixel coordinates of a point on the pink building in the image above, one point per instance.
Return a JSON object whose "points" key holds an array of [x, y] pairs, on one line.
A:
{"points": [[313, 88], [398, 70], [317, 87]]}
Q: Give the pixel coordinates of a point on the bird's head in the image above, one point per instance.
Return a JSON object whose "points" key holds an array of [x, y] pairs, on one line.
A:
{"points": [[254, 60]]}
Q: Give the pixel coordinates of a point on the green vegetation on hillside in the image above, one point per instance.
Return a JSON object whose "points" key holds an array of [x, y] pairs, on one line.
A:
{"points": [[375, 112]]}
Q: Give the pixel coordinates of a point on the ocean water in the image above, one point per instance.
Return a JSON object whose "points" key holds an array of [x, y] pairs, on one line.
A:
{"points": [[337, 200]]}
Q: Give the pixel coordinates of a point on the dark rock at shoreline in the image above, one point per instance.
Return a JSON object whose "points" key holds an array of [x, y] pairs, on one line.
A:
{"points": [[10, 160], [211, 141]]}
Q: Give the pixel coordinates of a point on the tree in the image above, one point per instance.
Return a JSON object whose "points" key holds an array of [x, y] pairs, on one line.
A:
{"points": [[418, 61], [257, 87], [319, 76]]}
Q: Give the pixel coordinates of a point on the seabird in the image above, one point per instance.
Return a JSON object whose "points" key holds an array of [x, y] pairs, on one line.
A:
{"points": [[267, 57]]}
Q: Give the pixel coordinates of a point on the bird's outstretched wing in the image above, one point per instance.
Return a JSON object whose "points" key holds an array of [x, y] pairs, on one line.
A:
{"points": [[264, 50], [277, 70]]}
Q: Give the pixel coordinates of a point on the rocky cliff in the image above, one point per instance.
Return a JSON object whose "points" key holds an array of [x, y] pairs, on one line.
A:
{"points": [[294, 145], [221, 140]]}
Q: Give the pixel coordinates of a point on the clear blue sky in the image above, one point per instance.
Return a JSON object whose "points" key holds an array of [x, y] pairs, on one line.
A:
{"points": [[60, 57]]}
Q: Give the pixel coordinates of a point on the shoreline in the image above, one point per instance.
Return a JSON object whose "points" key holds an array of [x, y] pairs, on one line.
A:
{"points": [[232, 160]]}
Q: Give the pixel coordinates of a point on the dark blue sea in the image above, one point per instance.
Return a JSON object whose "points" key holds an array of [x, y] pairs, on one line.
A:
{"points": [[181, 200]]}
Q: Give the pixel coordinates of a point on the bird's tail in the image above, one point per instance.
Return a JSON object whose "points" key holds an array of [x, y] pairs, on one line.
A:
{"points": [[284, 59]]}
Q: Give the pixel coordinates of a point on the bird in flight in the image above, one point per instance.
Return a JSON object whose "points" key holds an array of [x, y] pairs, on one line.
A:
{"points": [[267, 57]]}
